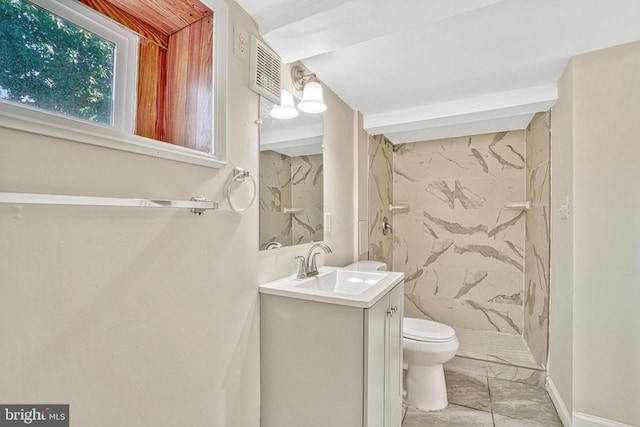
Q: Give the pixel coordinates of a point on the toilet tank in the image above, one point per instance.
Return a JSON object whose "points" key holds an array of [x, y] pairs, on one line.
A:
{"points": [[367, 266]]}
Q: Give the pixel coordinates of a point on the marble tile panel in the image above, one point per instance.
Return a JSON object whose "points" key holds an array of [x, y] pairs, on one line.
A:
{"points": [[478, 366], [436, 309], [458, 282], [309, 199], [497, 191], [380, 196], [287, 182], [380, 191], [417, 249], [457, 242], [275, 169], [536, 325], [507, 318], [453, 415], [381, 251], [537, 230], [536, 313], [441, 196], [422, 299], [529, 376], [275, 227], [432, 146], [309, 224], [538, 185], [496, 287], [442, 165], [536, 262], [465, 284], [506, 225], [495, 347], [490, 162], [501, 140], [464, 227], [463, 142], [538, 139], [523, 402], [307, 227], [306, 172], [471, 391], [491, 257], [504, 161], [537, 282]]}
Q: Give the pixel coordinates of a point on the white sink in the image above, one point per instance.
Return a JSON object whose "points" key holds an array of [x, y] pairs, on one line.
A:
{"points": [[337, 286], [341, 282]]}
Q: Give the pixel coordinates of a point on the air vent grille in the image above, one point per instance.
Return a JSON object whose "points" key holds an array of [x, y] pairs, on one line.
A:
{"points": [[266, 71]]}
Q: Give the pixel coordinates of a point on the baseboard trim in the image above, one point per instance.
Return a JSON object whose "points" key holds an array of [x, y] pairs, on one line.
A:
{"points": [[558, 402], [586, 420]]}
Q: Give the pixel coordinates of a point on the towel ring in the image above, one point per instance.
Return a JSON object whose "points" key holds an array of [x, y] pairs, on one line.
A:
{"points": [[241, 175]]}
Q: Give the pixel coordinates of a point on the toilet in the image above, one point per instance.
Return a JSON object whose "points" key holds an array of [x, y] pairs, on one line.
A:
{"points": [[427, 346]]}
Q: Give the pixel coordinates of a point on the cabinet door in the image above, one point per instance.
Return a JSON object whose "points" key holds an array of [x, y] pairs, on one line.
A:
{"points": [[394, 357], [375, 362]]}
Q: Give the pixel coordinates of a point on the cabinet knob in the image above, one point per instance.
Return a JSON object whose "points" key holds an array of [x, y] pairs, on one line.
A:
{"points": [[392, 310]]}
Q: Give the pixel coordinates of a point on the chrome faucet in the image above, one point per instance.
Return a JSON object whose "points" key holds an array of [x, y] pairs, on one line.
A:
{"points": [[308, 268], [273, 245]]}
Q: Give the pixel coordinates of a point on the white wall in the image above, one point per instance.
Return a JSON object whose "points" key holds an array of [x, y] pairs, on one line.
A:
{"points": [[595, 268], [606, 154], [145, 317], [560, 364]]}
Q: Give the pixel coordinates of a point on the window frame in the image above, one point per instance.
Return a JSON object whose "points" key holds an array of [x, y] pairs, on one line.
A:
{"points": [[24, 118], [125, 73]]}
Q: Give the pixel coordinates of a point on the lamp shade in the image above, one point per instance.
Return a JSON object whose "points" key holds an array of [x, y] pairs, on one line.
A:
{"points": [[312, 101], [286, 109]]}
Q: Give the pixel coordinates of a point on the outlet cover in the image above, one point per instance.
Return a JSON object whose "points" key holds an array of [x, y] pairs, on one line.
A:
{"points": [[241, 42]]}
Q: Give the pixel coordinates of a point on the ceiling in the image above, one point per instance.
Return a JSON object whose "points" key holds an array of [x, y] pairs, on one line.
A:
{"points": [[420, 70]]}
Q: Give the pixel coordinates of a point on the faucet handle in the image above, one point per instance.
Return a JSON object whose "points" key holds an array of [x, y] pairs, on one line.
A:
{"points": [[302, 268]]}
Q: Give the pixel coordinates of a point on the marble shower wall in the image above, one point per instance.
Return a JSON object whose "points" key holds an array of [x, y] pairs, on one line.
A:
{"points": [[380, 197], [462, 253], [290, 182], [306, 193], [275, 192], [536, 299]]}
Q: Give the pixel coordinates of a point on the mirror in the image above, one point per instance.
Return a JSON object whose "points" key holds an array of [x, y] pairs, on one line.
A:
{"points": [[291, 182]]}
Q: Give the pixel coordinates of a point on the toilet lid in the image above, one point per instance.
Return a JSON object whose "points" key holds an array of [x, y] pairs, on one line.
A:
{"points": [[427, 330]]}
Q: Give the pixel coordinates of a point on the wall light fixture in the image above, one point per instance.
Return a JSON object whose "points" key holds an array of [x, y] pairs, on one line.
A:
{"points": [[286, 109], [312, 100]]}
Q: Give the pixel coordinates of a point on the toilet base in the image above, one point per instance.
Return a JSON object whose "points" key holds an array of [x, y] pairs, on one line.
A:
{"points": [[425, 387]]}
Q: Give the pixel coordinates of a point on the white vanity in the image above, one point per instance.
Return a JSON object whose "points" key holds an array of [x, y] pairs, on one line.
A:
{"points": [[331, 350]]}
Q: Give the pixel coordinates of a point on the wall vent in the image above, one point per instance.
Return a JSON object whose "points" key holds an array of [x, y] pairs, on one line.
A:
{"points": [[266, 71]]}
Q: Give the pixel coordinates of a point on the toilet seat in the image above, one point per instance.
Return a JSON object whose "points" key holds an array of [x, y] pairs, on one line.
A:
{"points": [[427, 331]]}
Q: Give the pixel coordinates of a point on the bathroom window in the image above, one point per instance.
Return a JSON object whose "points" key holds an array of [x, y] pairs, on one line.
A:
{"points": [[141, 70], [58, 59]]}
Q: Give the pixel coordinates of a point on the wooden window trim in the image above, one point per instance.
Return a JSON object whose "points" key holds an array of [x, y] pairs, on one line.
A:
{"points": [[175, 79], [23, 118]]}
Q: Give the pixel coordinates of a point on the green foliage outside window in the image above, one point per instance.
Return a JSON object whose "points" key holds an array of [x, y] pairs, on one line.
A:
{"points": [[50, 63]]}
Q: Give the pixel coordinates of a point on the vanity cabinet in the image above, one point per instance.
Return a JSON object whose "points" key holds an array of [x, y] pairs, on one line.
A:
{"points": [[325, 364]]}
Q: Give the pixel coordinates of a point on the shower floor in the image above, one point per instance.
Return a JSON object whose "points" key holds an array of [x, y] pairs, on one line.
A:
{"points": [[496, 355], [495, 347]]}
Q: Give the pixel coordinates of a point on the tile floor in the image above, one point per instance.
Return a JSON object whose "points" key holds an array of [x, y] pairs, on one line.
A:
{"points": [[488, 402]]}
